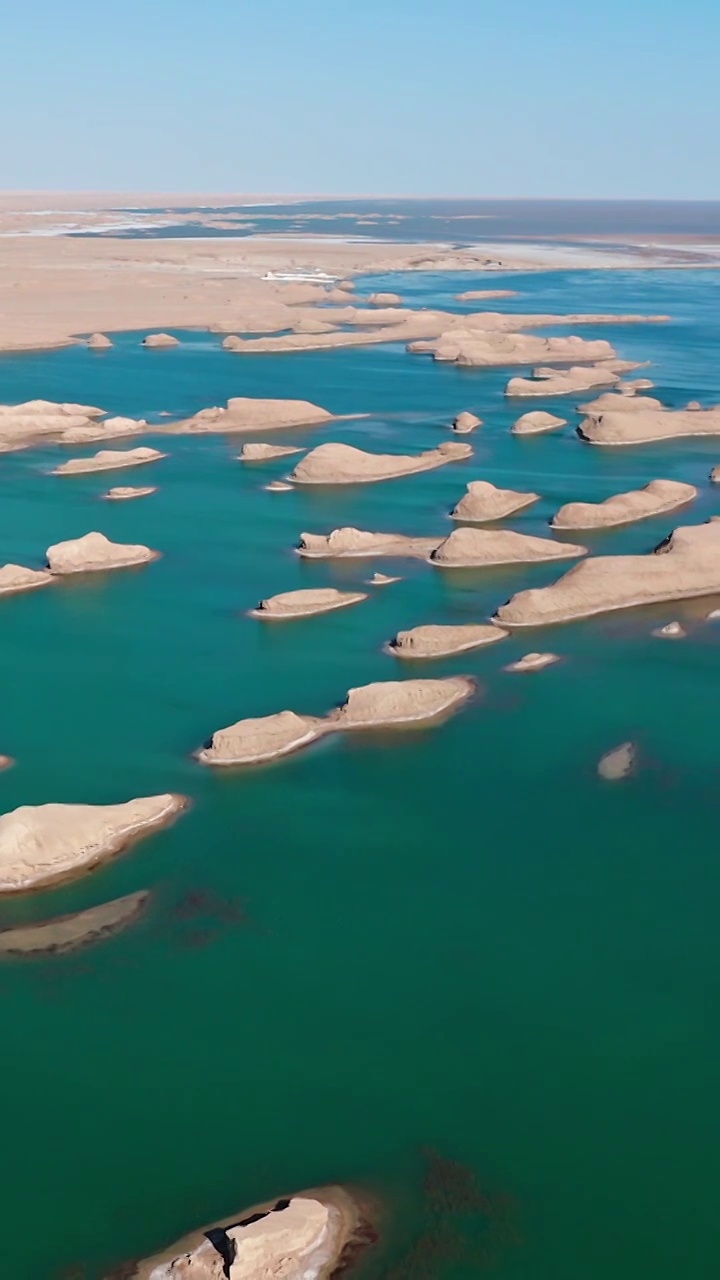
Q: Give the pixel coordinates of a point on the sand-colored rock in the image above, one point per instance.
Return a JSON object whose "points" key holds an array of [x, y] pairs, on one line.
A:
{"points": [[344, 464], [354, 543], [98, 342], [278, 486], [246, 413], [384, 300], [562, 382], [160, 340], [671, 631], [685, 565], [15, 578], [618, 763], [532, 662], [109, 429], [610, 402], [715, 475], [476, 295], [305, 603], [442, 641], [69, 932], [267, 452], [94, 553], [466, 422], [631, 386], [6, 762], [535, 422], [299, 1238], [474, 548], [123, 493], [693, 406], [309, 325], [23, 424], [108, 460], [386, 704], [637, 504], [484, 502], [645, 427], [41, 844], [495, 348], [381, 580]]}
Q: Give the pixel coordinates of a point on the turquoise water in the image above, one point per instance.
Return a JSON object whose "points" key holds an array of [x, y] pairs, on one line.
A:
{"points": [[457, 939]]}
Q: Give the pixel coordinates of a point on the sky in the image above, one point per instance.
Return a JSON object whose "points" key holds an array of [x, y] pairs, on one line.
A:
{"points": [[618, 99]]}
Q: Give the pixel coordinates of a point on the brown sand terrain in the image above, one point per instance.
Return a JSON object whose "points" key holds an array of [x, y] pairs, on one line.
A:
{"points": [[305, 603], [638, 504], [344, 464], [442, 641], [68, 933], [95, 553], [484, 502], [248, 413], [685, 565], [475, 548], [644, 428], [41, 844], [563, 382]]}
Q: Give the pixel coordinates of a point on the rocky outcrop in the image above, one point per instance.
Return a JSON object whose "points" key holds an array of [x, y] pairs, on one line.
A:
{"points": [[69, 933], [387, 704], [495, 348], [41, 844], [108, 460], [611, 401], [638, 504], [245, 413], [466, 422], [476, 295], [618, 763], [15, 577], [344, 464], [715, 475], [304, 1237], [645, 427], [123, 493], [381, 580], [442, 641], [305, 603], [98, 342], [384, 300], [562, 382], [671, 631], [278, 486], [354, 543], [535, 422], [631, 386], [475, 548], [484, 502], [532, 662], [687, 564], [21, 425], [160, 340], [94, 553], [267, 452], [109, 429]]}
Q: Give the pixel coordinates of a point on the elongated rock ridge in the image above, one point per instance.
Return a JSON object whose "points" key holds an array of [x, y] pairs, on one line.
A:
{"points": [[305, 603], [245, 413], [303, 1237], [637, 504], [612, 402], [645, 427], [93, 553], [160, 340], [344, 464], [535, 422], [357, 543], [41, 844], [475, 548], [15, 577], [386, 704], [443, 641], [532, 662], [123, 493], [108, 460], [563, 382], [70, 932], [685, 565], [484, 502], [266, 452]]}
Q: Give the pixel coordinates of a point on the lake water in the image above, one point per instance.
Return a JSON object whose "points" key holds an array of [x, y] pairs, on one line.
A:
{"points": [[457, 941]]}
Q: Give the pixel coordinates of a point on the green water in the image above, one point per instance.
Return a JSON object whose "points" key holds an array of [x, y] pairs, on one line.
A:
{"points": [[457, 939]]}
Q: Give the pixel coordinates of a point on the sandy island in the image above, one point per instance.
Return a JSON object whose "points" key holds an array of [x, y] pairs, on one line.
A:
{"points": [[248, 413], [42, 844], [344, 464], [484, 502], [68, 933], [267, 452], [644, 427], [443, 641], [305, 603], [385, 705], [310, 1236], [15, 578], [535, 422], [532, 662], [547, 381], [123, 493], [475, 548], [95, 553], [357, 543], [108, 460], [654, 499], [685, 565]]}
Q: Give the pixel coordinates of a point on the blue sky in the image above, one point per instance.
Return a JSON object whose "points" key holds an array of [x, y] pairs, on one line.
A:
{"points": [[406, 97]]}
